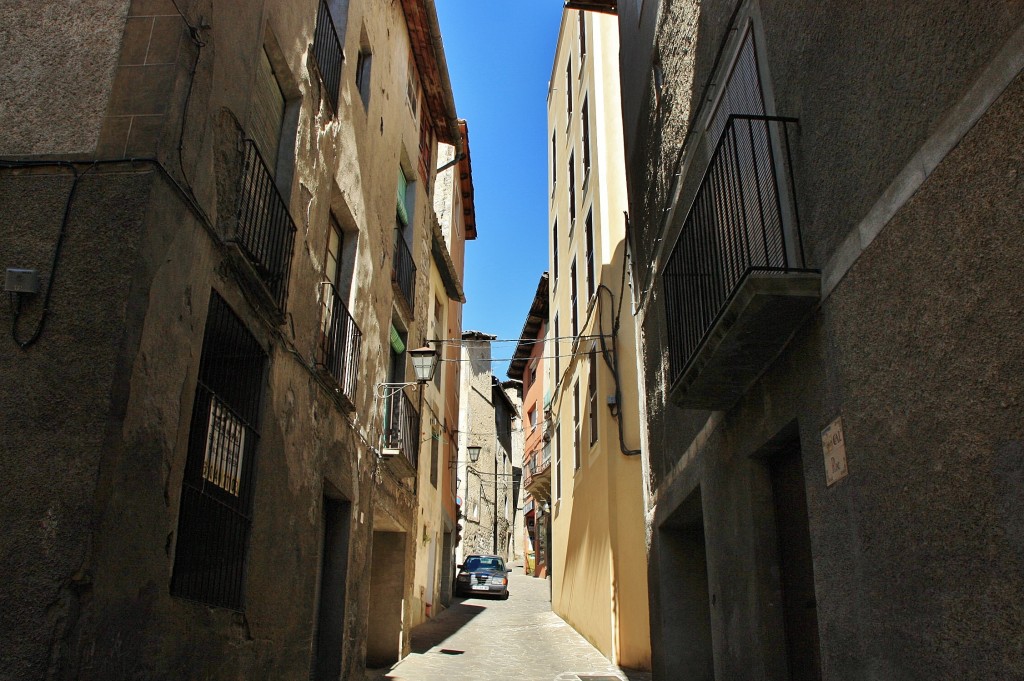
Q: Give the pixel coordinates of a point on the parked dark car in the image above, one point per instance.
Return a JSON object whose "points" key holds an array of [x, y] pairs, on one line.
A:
{"points": [[482, 576]]}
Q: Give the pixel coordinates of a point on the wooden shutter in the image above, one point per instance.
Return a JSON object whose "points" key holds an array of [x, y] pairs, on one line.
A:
{"points": [[267, 112]]}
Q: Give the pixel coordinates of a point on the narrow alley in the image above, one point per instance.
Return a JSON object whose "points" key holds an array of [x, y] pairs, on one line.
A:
{"points": [[518, 639]]}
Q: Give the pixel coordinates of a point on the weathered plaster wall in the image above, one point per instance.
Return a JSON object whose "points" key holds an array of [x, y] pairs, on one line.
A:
{"points": [[111, 382]]}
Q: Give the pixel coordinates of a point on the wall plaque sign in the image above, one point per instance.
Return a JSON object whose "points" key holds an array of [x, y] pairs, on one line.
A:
{"points": [[834, 447]]}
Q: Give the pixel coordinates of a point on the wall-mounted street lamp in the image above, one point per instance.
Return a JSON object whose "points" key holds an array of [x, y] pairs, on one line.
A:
{"points": [[424, 363], [472, 451]]}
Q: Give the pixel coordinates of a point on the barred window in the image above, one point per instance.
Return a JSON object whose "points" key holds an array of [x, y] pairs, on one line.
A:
{"points": [[215, 514]]}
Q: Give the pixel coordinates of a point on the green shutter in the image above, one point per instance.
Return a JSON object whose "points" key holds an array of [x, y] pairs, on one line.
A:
{"points": [[396, 341], [403, 184]]}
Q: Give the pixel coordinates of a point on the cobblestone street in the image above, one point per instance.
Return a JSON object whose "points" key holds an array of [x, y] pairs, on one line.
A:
{"points": [[515, 640]]}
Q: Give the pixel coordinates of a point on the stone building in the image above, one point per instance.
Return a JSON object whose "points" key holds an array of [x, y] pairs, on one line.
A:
{"points": [[825, 223], [598, 557], [528, 366], [456, 222], [486, 421], [222, 218]]}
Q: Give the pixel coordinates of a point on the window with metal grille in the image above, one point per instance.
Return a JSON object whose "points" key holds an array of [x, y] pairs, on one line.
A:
{"points": [[573, 300], [585, 125], [558, 462], [591, 281], [215, 513], [554, 251], [554, 162], [572, 191], [327, 53], [592, 395], [557, 349], [568, 90], [435, 454], [583, 34], [576, 425]]}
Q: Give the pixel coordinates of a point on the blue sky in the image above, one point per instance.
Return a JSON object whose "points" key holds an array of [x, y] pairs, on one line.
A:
{"points": [[499, 59]]}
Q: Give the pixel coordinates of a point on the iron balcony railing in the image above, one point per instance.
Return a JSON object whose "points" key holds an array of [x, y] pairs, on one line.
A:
{"points": [[403, 269], [328, 53], [340, 342], [743, 219], [401, 424], [266, 232]]}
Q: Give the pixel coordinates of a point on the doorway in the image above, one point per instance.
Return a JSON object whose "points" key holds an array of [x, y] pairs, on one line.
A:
{"points": [[387, 590], [329, 638], [796, 565], [685, 600]]}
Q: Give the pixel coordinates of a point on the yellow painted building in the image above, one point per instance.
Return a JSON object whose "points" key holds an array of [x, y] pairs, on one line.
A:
{"points": [[599, 556]]}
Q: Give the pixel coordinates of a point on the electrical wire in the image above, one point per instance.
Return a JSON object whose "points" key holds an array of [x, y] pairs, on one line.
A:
{"points": [[523, 341], [54, 262]]}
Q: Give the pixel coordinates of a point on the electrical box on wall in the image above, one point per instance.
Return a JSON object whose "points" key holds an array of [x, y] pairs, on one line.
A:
{"points": [[21, 281]]}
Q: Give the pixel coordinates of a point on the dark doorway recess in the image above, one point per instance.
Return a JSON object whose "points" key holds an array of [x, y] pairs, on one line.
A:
{"points": [[796, 565], [330, 629], [685, 600]]}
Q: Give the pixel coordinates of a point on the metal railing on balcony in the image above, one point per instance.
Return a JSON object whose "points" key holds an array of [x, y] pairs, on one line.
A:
{"points": [[328, 53], [403, 269], [266, 232], [401, 423], [340, 342], [743, 219]]}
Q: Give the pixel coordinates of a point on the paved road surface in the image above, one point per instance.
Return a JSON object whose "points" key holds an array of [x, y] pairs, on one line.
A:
{"points": [[492, 640]]}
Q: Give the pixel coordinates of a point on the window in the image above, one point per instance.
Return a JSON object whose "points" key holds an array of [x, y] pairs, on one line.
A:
{"points": [[558, 462], [426, 146], [340, 338], [576, 425], [533, 419], [327, 53], [268, 103], [332, 271], [583, 35], [574, 308], [568, 91], [403, 269], [217, 489], [554, 162], [659, 81], [591, 282], [558, 345], [592, 394], [554, 254], [585, 124], [412, 87], [435, 454], [438, 333], [533, 374], [364, 64], [572, 190]]}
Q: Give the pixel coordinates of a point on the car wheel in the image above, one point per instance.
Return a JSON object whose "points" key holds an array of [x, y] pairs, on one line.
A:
{"points": [[504, 596]]}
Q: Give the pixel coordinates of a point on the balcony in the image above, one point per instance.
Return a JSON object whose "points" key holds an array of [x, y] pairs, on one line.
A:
{"points": [[401, 430], [340, 342], [403, 271], [327, 53], [265, 231], [736, 286], [537, 478]]}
